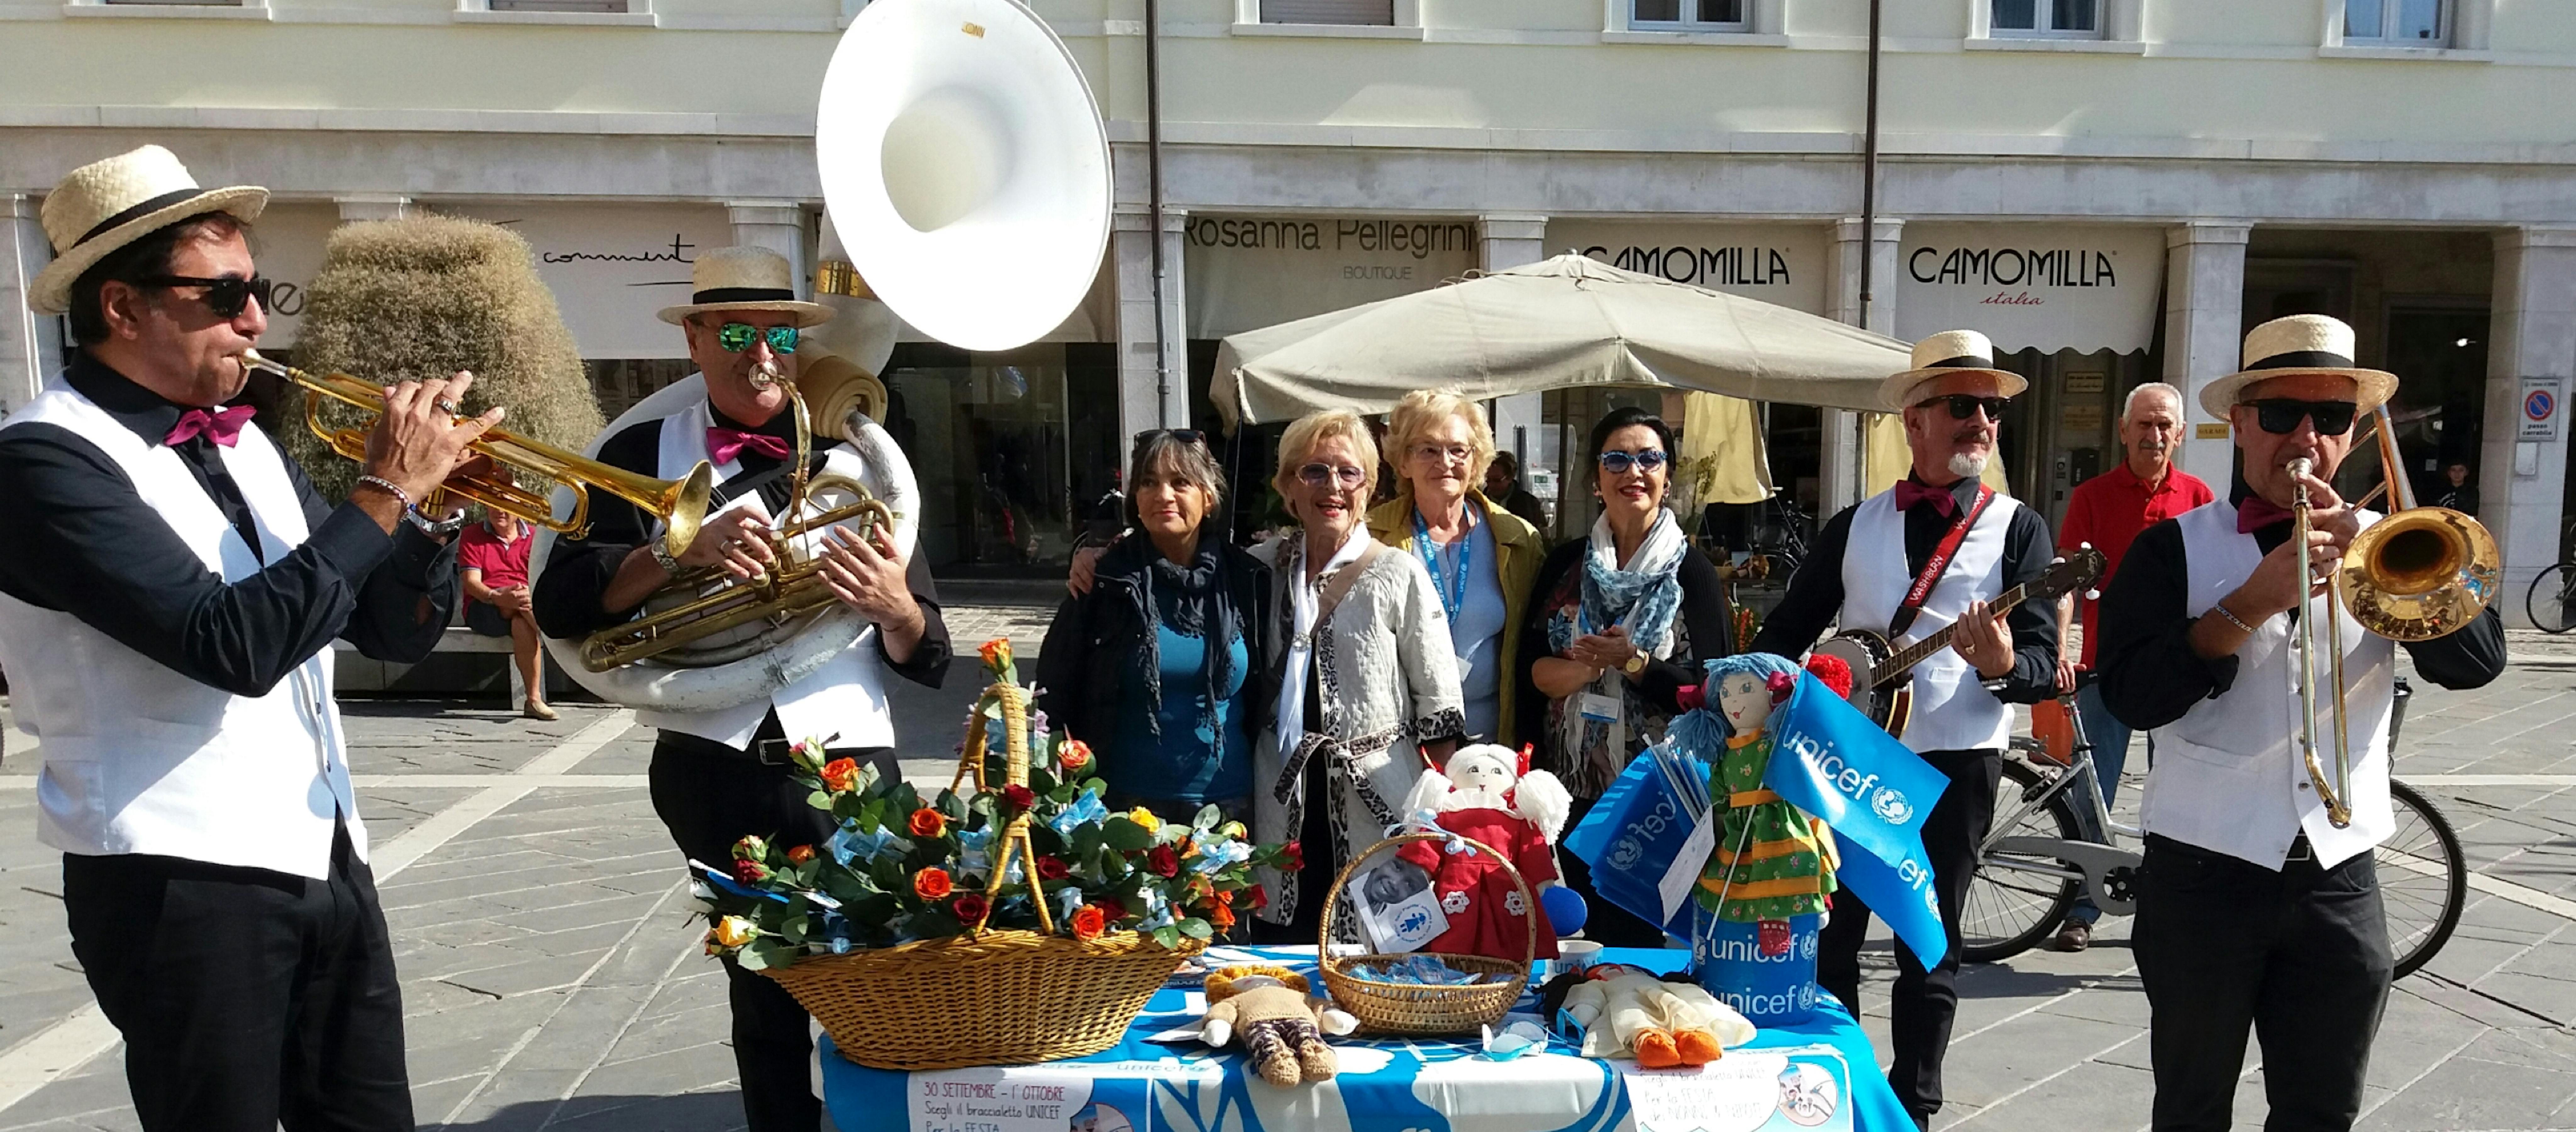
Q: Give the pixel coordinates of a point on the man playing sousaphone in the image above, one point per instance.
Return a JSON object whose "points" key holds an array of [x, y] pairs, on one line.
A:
{"points": [[718, 775], [172, 588], [2257, 908]]}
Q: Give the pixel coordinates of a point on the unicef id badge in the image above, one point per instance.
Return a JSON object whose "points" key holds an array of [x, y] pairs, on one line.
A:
{"points": [[1609, 713]]}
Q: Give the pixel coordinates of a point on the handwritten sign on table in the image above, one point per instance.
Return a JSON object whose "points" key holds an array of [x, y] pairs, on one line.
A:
{"points": [[1746, 1091], [997, 1100]]}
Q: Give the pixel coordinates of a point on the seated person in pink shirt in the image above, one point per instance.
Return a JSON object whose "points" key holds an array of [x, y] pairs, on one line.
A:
{"points": [[492, 562]]}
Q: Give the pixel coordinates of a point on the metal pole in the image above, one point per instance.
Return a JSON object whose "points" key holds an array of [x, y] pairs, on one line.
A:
{"points": [[1154, 198], [1869, 173]]}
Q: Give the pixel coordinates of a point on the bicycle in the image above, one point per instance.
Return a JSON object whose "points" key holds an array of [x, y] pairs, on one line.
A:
{"points": [[2037, 859], [2552, 593]]}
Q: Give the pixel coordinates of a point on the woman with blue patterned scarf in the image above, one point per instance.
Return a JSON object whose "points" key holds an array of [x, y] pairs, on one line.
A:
{"points": [[1618, 624]]}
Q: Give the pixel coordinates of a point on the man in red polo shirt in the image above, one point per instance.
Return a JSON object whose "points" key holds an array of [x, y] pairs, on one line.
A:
{"points": [[2107, 512]]}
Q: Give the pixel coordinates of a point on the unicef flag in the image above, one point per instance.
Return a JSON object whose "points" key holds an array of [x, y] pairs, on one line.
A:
{"points": [[1831, 761], [1635, 833]]}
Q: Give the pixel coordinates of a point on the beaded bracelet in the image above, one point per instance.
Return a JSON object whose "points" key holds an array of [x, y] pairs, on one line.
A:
{"points": [[2221, 609], [388, 485]]}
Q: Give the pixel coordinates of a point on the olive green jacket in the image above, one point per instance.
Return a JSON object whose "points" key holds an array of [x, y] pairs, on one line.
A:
{"points": [[1518, 551]]}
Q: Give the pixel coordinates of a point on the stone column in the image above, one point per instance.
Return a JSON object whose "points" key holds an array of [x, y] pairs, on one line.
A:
{"points": [[1842, 462], [2533, 334], [2204, 334], [778, 225], [1150, 396], [1511, 240], [31, 344], [372, 207]]}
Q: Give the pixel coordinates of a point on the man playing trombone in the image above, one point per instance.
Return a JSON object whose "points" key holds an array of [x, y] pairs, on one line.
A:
{"points": [[172, 588], [2260, 905], [718, 775]]}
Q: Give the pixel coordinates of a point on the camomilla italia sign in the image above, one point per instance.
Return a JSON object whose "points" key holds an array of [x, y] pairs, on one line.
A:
{"points": [[2032, 286]]}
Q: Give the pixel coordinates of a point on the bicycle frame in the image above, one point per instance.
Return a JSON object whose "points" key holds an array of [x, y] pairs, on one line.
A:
{"points": [[2094, 861]]}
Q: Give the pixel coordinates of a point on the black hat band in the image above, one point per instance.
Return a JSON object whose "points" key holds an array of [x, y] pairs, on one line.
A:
{"points": [[1963, 361], [743, 295], [148, 207], [2304, 359]]}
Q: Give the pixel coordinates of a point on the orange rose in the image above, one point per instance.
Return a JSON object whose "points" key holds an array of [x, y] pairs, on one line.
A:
{"points": [[841, 776], [927, 822], [996, 653], [800, 854], [931, 884], [1089, 922], [1074, 754], [1221, 916]]}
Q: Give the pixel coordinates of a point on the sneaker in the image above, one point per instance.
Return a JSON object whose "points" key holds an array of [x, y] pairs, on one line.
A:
{"points": [[2073, 935], [535, 710]]}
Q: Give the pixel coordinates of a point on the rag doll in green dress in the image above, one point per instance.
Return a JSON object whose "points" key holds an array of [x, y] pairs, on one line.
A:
{"points": [[1773, 861]]}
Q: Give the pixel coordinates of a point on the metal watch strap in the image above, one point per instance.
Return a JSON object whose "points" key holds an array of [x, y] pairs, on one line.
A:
{"points": [[662, 556]]}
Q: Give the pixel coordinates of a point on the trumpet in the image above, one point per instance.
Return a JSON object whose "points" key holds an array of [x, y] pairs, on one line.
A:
{"points": [[2417, 574], [681, 504]]}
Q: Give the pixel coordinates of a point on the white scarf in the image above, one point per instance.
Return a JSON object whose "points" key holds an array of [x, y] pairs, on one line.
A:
{"points": [[1304, 594], [1647, 592]]}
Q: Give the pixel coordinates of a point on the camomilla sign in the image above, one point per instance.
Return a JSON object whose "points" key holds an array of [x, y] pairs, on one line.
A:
{"points": [[1776, 263], [2050, 287]]}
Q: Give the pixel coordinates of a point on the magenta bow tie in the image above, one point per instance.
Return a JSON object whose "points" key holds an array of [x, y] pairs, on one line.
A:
{"points": [[723, 444], [2257, 513], [223, 426], [1909, 493]]}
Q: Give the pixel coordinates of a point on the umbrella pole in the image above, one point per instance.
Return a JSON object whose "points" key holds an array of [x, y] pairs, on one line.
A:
{"points": [[1154, 193], [1869, 173]]}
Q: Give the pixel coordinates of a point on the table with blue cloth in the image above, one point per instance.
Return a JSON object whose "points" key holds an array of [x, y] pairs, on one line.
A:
{"points": [[1819, 1075]]}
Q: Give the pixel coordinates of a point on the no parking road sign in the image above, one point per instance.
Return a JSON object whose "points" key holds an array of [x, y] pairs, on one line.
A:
{"points": [[2540, 409]]}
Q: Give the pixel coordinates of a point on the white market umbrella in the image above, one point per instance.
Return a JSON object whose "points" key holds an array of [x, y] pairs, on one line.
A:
{"points": [[1557, 323]]}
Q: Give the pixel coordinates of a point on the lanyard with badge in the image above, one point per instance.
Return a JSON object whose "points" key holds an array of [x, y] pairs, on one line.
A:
{"points": [[1453, 593]]}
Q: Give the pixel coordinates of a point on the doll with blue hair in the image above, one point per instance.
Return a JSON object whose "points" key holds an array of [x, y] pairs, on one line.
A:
{"points": [[1773, 861]]}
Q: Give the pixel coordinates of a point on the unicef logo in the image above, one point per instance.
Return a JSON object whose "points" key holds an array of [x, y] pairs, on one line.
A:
{"points": [[1890, 804], [1625, 853], [1807, 946]]}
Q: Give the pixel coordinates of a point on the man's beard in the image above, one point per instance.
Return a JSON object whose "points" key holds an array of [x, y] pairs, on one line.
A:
{"points": [[1966, 466]]}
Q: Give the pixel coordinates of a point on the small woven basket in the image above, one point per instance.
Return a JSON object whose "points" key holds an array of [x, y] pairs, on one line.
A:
{"points": [[988, 997], [1410, 1008]]}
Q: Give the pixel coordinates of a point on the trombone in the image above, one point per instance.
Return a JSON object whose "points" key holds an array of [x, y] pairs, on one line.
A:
{"points": [[681, 504], [2416, 574]]}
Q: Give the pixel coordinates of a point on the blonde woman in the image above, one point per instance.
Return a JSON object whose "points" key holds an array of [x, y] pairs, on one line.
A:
{"points": [[1368, 685], [1482, 558]]}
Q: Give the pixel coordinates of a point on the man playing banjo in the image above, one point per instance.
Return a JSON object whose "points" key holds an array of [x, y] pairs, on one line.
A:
{"points": [[718, 775], [1964, 545]]}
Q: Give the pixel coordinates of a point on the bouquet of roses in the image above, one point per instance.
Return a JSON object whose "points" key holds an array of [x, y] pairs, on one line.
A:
{"points": [[904, 868]]}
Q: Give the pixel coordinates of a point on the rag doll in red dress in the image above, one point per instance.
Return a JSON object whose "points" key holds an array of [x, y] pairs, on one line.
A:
{"points": [[1489, 794]]}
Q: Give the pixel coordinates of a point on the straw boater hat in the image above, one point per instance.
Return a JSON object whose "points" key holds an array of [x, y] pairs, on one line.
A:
{"points": [[108, 204], [2301, 343], [1939, 356], [744, 279]]}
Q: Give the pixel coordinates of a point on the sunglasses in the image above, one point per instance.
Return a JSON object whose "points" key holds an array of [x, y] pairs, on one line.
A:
{"points": [[1617, 463], [1184, 435], [1963, 405], [1317, 475], [2280, 416], [737, 337], [226, 296]]}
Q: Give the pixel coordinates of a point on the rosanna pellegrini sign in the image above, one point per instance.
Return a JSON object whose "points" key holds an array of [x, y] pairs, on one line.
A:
{"points": [[2050, 287]]}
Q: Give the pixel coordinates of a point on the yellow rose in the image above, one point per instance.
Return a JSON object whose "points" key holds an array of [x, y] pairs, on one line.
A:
{"points": [[1144, 817], [734, 931]]}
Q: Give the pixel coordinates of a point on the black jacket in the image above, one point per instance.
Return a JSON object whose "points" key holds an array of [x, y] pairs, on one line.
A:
{"points": [[1096, 637]]}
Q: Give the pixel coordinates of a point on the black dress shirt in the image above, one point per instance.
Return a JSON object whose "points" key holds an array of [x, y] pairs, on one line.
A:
{"points": [[567, 594], [1815, 594], [2151, 676], [83, 542]]}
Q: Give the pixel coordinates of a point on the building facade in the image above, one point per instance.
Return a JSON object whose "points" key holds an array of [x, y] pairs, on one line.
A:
{"points": [[2112, 189]]}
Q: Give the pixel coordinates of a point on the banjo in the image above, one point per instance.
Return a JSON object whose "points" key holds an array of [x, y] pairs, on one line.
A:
{"points": [[1880, 667]]}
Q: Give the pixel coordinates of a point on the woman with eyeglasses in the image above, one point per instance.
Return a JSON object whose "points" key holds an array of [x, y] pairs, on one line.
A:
{"points": [[1166, 667], [1618, 624], [1368, 684], [1481, 557]]}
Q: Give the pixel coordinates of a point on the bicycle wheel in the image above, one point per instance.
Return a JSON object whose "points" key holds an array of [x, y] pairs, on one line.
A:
{"points": [[2016, 899], [2423, 879], [2549, 598]]}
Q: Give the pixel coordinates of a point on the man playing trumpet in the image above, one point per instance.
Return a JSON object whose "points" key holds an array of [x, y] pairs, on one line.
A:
{"points": [[169, 593], [720, 775], [2257, 909]]}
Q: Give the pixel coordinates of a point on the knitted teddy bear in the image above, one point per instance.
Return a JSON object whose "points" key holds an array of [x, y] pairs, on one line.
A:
{"points": [[1282, 1029], [1627, 1012]]}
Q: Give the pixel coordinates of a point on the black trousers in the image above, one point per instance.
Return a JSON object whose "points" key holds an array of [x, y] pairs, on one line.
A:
{"points": [[1924, 1000], [710, 797], [2300, 955], [247, 998]]}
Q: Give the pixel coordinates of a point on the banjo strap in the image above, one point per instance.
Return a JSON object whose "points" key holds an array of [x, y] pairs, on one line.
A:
{"points": [[1937, 565]]}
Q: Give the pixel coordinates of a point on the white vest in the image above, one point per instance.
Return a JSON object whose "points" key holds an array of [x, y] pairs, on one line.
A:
{"points": [[1952, 711], [2228, 776], [844, 697], [140, 759]]}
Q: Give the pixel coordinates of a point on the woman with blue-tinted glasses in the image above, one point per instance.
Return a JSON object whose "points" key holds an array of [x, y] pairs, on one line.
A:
{"points": [[1617, 625]]}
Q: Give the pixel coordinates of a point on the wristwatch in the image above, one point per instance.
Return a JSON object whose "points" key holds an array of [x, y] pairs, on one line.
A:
{"points": [[432, 527], [1636, 664], [662, 557], [1994, 684]]}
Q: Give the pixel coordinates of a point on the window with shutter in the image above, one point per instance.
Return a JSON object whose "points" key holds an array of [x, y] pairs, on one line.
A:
{"points": [[559, 5], [1379, 13]]}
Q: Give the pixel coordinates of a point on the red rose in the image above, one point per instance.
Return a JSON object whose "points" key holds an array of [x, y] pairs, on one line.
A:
{"points": [[1020, 797], [1163, 862], [750, 872], [841, 776], [1089, 922], [800, 854], [931, 884], [971, 909], [927, 822], [1296, 856], [1110, 907], [1256, 898], [1050, 868]]}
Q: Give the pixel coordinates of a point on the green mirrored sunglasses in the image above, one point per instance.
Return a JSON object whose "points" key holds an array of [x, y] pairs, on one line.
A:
{"points": [[737, 337]]}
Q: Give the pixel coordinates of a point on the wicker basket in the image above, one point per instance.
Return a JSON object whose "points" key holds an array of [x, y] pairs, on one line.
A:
{"points": [[990, 997], [1408, 1008]]}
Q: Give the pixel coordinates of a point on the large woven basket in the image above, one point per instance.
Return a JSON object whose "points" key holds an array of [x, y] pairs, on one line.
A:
{"points": [[992, 997], [1407, 1008]]}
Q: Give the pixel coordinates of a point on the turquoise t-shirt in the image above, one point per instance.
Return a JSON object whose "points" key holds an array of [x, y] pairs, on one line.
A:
{"points": [[1190, 763]]}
